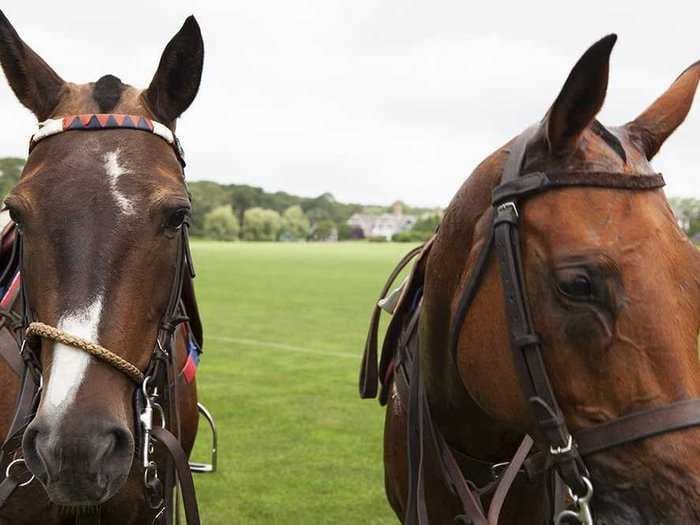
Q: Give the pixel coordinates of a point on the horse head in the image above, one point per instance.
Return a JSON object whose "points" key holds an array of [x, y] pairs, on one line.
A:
{"points": [[614, 290], [99, 215]]}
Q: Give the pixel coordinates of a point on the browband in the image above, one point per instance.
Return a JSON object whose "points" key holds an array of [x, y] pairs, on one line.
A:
{"points": [[98, 121]]}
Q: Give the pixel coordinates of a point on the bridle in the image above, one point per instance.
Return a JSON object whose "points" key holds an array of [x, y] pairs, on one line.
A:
{"points": [[155, 391], [560, 449]]}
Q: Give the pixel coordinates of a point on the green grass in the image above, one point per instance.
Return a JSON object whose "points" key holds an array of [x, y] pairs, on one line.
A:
{"points": [[284, 330]]}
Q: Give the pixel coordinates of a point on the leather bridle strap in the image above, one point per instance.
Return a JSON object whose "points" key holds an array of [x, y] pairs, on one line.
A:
{"points": [[537, 182], [638, 425], [189, 496], [525, 343]]}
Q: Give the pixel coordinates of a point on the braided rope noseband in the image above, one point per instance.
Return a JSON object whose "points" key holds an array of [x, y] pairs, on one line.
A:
{"points": [[54, 334]]}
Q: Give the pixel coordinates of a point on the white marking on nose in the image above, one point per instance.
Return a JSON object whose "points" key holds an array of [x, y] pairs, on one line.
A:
{"points": [[114, 171], [70, 364]]}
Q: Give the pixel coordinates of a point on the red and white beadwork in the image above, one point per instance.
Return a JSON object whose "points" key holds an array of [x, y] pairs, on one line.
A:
{"points": [[95, 121]]}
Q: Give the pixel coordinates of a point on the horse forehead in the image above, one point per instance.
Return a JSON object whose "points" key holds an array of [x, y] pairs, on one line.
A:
{"points": [[82, 98]]}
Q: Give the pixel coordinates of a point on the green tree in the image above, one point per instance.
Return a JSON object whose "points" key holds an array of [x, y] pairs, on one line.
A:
{"points": [[222, 224], [260, 224], [687, 212], [245, 197], [427, 224], [205, 197], [295, 225], [324, 231], [10, 170]]}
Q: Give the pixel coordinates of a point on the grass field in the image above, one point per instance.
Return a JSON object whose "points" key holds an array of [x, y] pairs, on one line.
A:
{"points": [[285, 325]]}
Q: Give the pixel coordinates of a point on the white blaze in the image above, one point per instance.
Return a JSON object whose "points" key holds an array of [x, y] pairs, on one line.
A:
{"points": [[69, 364], [114, 171]]}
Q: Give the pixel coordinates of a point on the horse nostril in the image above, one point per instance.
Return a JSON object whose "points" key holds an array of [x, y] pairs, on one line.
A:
{"points": [[118, 443], [34, 449]]}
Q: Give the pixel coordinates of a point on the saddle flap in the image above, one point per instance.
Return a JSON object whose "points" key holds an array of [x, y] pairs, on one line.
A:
{"points": [[373, 373]]}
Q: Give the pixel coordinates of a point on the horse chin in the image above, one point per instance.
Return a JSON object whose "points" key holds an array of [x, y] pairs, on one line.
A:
{"points": [[80, 493]]}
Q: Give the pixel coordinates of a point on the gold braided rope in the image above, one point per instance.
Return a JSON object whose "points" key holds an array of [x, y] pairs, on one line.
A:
{"points": [[54, 334]]}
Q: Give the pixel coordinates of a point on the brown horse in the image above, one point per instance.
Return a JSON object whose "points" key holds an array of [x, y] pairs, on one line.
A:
{"points": [[614, 292], [100, 213]]}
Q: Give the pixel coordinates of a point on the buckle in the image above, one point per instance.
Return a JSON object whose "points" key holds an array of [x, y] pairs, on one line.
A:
{"points": [[558, 451], [508, 206], [498, 469]]}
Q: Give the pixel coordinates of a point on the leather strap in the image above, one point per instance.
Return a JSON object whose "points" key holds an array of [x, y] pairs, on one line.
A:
{"points": [[189, 496], [7, 488], [369, 369], [538, 182], [639, 425], [508, 478]]}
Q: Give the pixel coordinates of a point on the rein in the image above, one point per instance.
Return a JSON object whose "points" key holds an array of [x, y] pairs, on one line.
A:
{"points": [[155, 388]]}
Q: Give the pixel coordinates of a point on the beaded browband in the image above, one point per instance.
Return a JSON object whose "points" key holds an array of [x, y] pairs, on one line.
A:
{"points": [[97, 121]]}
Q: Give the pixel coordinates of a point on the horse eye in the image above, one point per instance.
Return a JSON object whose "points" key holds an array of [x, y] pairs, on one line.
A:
{"points": [[14, 216], [177, 218], [575, 285]]}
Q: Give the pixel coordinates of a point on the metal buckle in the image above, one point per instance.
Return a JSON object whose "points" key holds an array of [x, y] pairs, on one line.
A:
{"points": [[510, 205], [498, 469], [146, 419], [582, 512], [557, 451]]}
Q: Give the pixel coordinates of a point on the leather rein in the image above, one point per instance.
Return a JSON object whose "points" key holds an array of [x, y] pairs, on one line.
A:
{"points": [[155, 387], [558, 448]]}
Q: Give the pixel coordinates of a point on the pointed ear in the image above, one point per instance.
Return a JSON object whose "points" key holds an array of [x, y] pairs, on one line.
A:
{"points": [[36, 85], [581, 97], [176, 82], [651, 129]]}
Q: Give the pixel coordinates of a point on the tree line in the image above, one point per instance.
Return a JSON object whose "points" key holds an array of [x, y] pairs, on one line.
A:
{"points": [[687, 212]]}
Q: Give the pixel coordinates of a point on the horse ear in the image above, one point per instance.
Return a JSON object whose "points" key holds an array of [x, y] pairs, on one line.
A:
{"points": [[581, 97], [35, 84], [651, 129], [176, 82]]}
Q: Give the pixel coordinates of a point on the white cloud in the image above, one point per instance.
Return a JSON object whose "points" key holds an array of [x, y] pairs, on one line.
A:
{"points": [[372, 101]]}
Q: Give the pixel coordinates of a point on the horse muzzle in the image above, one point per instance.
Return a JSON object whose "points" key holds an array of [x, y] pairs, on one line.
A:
{"points": [[81, 461]]}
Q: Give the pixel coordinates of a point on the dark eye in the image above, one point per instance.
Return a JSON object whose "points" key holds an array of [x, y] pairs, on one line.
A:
{"points": [[575, 284], [15, 216], [177, 218]]}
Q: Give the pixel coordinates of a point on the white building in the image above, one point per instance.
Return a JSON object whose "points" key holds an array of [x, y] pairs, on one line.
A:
{"points": [[385, 225]]}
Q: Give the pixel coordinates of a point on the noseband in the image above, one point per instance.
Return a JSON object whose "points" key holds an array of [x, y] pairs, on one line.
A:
{"points": [[561, 449], [155, 386]]}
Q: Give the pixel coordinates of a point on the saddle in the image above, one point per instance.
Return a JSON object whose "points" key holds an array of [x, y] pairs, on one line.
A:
{"points": [[404, 305]]}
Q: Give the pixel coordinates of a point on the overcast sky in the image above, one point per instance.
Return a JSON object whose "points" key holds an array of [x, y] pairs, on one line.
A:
{"points": [[370, 100]]}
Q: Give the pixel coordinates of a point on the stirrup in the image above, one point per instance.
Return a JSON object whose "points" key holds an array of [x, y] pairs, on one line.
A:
{"points": [[207, 468]]}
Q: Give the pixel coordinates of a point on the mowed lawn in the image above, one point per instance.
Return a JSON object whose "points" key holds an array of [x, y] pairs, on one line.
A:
{"points": [[284, 331]]}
